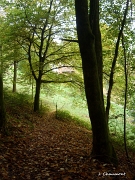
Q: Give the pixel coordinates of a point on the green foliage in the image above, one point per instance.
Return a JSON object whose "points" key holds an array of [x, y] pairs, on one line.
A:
{"points": [[117, 132], [67, 97], [42, 25], [44, 108], [111, 17], [19, 110], [116, 126], [17, 99], [64, 115], [33, 30]]}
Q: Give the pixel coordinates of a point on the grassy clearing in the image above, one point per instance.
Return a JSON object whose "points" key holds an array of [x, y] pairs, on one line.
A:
{"points": [[66, 99]]}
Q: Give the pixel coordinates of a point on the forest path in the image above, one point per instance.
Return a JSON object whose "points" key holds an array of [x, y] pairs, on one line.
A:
{"points": [[54, 150]]}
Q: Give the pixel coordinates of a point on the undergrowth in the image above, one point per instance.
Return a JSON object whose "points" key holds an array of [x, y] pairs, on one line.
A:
{"points": [[19, 112], [64, 115], [116, 128]]}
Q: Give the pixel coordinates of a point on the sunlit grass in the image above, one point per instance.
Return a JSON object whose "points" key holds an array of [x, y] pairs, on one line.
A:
{"points": [[66, 116]]}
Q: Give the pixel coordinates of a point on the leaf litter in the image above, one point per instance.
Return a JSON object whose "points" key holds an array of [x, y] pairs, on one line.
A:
{"points": [[55, 150]]}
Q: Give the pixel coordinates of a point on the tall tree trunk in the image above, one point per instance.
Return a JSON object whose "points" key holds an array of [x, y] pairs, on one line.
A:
{"points": [[32, 87], [2, 105], [94, 24], [37, 95], [102, 147], [15, 76], [125, 94]]}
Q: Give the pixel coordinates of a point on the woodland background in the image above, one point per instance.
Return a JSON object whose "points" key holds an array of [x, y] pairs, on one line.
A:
{"points": [[41, 67]]}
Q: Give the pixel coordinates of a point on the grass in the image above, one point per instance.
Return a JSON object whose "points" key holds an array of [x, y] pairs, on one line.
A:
{"points": [[66, 116], [19, 108], [66, 100], [17, 99]]}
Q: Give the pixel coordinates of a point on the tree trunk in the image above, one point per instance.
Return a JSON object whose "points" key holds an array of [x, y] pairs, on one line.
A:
{"points": [[102, 147], [32, 87], [15, 76], [2, 106], [94, 24], [37, 95]]}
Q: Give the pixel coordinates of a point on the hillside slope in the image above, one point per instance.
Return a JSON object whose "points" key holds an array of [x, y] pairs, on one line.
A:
{"points": [[41, 147]]}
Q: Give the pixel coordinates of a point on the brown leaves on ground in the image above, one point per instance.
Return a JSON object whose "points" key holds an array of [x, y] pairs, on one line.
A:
{"points": [[55, 150]]}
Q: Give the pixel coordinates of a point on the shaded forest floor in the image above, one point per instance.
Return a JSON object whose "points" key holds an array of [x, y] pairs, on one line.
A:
{"points": [[40, 147]]}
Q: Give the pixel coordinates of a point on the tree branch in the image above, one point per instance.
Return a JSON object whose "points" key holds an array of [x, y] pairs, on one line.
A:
{"points": [[69, 40], [114, 62], [55, 81]]}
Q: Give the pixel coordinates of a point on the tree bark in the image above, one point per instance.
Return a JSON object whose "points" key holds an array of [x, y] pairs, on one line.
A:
{"points": [[125, 94], [2, 106], [102, 147], [15, 76], [3, 119], [37, 95], [94, 24]]}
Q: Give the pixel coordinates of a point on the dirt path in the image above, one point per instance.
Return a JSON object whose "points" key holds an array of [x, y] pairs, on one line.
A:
{"points": [[55, 150]]}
